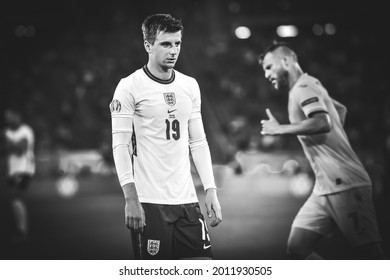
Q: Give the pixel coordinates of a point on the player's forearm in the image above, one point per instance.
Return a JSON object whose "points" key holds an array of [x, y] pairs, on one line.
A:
{"points": [[201, 153], [122, 149], [130, 192], [314, 125], [123, 164], [202, 160]]}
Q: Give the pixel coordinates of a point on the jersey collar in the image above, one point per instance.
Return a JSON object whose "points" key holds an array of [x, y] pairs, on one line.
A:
{"points": [[158, 80]]}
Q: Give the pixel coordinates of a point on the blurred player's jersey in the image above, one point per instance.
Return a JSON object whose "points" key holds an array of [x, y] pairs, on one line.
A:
{"points": [[24, 163], [331, 157], [159, 111]]}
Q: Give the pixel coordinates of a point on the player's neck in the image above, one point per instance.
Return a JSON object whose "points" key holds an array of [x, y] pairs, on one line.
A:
{"points": [[160, 72], [294, 76]]}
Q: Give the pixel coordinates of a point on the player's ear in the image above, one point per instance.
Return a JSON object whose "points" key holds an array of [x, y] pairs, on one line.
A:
{"points": [[285, 61], [147, 46]]}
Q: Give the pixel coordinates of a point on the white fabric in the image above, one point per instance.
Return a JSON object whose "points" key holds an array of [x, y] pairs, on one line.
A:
{"points": [[24, 163], [201, 153], [332, 159], [160, 115]]}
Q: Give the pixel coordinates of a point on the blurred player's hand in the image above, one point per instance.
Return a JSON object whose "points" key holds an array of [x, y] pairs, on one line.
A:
{"points": [[134, 215], [270, 126], [212, 205]]}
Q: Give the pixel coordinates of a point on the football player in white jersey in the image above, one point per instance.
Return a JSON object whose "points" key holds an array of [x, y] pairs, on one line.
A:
{"points": [[156, 123], [19, 141], [342, 194]]}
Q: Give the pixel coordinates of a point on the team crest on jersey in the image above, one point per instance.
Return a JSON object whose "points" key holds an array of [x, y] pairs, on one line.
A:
{"points": [[115, 105], [170, 98], [153, 246]]}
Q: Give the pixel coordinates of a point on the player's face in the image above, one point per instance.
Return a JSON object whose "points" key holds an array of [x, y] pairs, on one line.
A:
{"points": [[165, 50], [274, 71]]}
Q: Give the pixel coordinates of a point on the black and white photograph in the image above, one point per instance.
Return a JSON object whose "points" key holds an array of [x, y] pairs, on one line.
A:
{"points": [[213, 130]]}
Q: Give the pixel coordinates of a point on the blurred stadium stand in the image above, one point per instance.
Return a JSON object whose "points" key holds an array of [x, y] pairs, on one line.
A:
{"points": [[62, 61]]}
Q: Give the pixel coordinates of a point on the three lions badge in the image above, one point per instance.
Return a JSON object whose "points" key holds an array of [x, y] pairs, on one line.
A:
{"points": [[153, 246], [170, 98]]}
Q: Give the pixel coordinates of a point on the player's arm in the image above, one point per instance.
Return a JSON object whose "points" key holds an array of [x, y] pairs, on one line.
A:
{"points": [[341, 110], [202, 159], [310, 100], [122, 130], [122, 152], [318, 122]]}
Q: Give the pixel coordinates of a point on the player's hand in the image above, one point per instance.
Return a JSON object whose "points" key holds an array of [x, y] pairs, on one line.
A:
{"points": [[134, 215], [270, 126], [212, 205]]}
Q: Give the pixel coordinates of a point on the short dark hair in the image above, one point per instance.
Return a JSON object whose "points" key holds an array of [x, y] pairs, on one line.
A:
{"points": [[156, 23], [275, 45]]}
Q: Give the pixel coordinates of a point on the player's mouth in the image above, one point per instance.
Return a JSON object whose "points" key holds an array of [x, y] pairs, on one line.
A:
{"points": [[171, 60]]}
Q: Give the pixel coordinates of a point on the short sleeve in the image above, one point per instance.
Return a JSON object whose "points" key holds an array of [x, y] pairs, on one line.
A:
{"points": [[122, 103], [311, 100], [195, 114], [122, 108]]}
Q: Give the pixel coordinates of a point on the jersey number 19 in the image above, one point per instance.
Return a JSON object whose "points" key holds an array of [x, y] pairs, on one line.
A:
{"points": [[173, 129]]}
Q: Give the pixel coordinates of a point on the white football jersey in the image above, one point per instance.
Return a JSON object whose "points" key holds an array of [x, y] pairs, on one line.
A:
{"points": [[24, 163], [158, 112], [335, 164]]}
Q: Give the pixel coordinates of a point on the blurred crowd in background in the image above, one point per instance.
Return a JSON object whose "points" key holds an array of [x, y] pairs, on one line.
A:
{"points": [[62, 61]]}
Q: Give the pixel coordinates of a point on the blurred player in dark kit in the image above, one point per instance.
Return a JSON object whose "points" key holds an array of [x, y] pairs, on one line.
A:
{"points": [[342, 194], [156, 122]]}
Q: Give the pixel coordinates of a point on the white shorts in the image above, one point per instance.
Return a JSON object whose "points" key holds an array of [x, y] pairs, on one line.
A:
{"points": [[352, 211]]}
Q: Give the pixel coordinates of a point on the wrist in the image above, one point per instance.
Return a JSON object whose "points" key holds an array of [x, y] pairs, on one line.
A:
{"points": [[211, 190], [131, 201]]}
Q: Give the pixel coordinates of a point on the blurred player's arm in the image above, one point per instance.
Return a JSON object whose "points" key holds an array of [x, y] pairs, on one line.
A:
{"points": [[341, 110], [317, 123], [202, 159], [122, 153]]}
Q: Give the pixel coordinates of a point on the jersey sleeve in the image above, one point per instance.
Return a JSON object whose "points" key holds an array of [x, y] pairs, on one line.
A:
{"points": [[30, 136], [199, 146], [122, 112], [311, 100], [195, 114]]}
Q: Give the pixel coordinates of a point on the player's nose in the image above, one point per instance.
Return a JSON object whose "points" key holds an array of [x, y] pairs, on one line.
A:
{"points": [[174, 50]]}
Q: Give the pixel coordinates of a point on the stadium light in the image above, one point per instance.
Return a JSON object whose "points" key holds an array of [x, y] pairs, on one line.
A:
{"points": [[330, 29], [287, 31], [318, 29], [242, 32]]}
